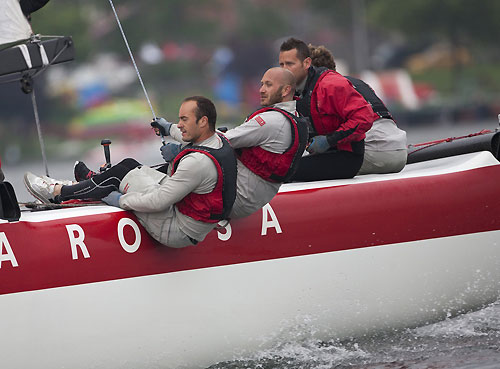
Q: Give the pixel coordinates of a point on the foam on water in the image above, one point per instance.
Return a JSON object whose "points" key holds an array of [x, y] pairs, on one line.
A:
{"points": [[464, 342]]}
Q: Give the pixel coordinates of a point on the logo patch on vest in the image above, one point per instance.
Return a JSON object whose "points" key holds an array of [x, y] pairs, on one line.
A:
{"points": [[259, 120]]}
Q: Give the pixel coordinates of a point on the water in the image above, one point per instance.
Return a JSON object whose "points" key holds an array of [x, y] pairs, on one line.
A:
{"points": [[467, 341]]}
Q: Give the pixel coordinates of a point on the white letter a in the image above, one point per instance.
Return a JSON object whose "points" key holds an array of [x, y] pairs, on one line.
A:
{"points": [[9, 256], [267, 209]]}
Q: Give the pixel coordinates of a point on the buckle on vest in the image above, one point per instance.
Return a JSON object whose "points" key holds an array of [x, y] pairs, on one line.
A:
{"points": [[385, 114], [222, 224]]}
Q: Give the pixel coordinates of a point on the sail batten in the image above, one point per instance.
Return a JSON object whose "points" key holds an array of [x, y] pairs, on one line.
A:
{"points": [[54, 51], [20, 49], [13, 24]]}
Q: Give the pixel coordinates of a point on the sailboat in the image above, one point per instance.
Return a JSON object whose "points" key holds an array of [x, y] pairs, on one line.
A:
{"points": [[87, 287]]}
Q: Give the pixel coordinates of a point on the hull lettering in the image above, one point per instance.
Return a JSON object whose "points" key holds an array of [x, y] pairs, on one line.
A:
{"points": [[226, 235], [77, 241], [9, 256], [127, 247], [273, 223]]}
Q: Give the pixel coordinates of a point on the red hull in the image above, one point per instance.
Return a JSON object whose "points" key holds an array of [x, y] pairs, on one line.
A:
{"points": [[318, 220]]}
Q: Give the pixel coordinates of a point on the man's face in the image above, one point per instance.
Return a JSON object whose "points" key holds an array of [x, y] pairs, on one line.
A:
{"points": [[271, 89], [289, 60], [188, 125]]}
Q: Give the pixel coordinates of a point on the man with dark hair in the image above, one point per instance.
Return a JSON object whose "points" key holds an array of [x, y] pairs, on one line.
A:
{"points": [[268, 144], [385, 143], [340, 116], [179, 203]]}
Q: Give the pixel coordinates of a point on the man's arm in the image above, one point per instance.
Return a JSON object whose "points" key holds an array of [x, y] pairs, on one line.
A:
{"points": [[336, 96], [266, 130], [194, 173]]}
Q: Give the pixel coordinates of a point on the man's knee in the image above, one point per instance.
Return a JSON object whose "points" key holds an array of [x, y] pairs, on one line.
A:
{"points": [[129, 163]]}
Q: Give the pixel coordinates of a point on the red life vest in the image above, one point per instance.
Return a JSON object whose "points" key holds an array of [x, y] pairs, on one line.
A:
{"points": [[271, 166], [312, 97], [216, 205]]}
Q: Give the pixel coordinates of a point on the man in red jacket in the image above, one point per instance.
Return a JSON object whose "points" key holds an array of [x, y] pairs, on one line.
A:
{"points": [[340, 116]]}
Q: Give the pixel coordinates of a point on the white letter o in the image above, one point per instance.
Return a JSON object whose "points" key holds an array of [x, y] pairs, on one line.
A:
{"points": [[121, 225]]}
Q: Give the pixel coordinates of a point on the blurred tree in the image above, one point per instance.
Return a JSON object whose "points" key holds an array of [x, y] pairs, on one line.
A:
{"points": [[65, 18], [462, 22], [339, 11], [347, 17]]}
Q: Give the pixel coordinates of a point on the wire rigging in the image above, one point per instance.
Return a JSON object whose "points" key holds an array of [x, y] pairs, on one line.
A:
{"points": [[132, 57], [39, 130]]}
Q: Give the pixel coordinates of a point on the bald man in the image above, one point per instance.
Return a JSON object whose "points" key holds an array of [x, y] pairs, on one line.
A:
{"points": [[268, 144]]}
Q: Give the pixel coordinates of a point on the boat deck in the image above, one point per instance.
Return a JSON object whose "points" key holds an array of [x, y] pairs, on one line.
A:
{"points": [[447, 165], [428, 168]]}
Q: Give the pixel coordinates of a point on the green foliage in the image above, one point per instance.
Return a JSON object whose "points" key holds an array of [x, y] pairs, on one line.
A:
{"points": [[257, 23], [483, 79], [339, 11], [65, 18], [459, 21]]}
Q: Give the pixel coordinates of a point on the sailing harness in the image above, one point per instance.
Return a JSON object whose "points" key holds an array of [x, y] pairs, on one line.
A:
{"points": [[371, 97], [275, 167], [304, 101], [216, 205]]}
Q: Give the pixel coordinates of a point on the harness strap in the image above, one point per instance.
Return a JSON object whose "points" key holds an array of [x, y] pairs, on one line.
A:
{"points": [[26, 55], [43, 55]]}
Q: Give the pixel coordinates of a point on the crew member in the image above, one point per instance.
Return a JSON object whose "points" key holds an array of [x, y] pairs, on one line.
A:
{"points": [[385, 143], [340, 116], [179, 208], [269, 143]]}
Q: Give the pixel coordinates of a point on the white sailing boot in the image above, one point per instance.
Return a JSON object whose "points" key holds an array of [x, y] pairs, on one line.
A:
{"points": [[42, 187]]}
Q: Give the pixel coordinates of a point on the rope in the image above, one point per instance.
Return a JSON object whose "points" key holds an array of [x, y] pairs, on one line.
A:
{"points": [[449, 139], [132, 57], [15, 79], [425, 145], [39, 129], [42, 206]]}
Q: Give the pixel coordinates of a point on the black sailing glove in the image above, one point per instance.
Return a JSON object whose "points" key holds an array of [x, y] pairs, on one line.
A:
{"points": [[161, 126], [170, 150]]}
